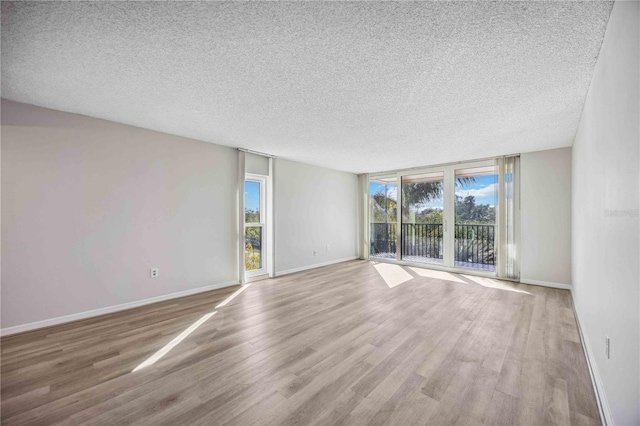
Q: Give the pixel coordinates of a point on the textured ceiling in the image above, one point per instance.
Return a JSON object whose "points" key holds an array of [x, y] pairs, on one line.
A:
{"points": [[360, 87]]}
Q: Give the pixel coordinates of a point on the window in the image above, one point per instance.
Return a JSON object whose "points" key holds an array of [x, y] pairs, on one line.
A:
{"points": [[255, 225], [458, 216]]}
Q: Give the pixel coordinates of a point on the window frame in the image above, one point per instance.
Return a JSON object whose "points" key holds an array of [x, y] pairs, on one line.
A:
{"points": [[262, 224]]}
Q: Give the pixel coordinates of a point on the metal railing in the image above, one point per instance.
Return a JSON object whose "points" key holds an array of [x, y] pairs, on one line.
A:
{"points": [[422, 239], [383, 238], [474, 243]]}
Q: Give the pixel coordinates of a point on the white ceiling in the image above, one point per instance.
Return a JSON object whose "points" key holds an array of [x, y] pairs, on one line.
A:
{"points": [[361, 86]]}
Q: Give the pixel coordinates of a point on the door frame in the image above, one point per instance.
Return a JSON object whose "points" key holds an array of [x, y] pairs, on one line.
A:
{"points": [[263, 224]]}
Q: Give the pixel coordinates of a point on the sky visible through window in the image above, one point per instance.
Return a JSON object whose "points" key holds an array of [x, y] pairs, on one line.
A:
{"points": [[251, 195], [484, 189]]}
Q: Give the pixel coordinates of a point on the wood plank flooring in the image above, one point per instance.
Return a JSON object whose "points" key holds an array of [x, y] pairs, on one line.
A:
{"points": [[331, 346]]}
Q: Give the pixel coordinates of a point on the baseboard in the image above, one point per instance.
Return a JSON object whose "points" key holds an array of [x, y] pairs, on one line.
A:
{"points": [[317, 265], [109, 309], [546, 284], [601, 397]]}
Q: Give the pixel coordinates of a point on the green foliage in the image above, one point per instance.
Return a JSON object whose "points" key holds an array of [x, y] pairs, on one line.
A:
{"points": [[251, 258], [420, 192], [414, 194], [383, 208], [467, 211], [479, 250], [430, 216], [253, 236], [251, 216], [417, 193], [252, 249]]}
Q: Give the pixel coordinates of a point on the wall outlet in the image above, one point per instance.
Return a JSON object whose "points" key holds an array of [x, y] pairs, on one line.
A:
{"points": [[155, 272], [607, 347], [314, 253], [328, 247]]}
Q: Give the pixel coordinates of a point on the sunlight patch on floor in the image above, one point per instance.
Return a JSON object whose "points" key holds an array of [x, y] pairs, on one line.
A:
{"points": [[493, 283], [175, 342], [232, 296], [393, 275], [439, 275]]}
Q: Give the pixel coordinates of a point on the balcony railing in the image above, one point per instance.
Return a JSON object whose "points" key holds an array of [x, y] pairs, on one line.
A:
{"points": [[383, 238], [474, 244], [422, 239]]}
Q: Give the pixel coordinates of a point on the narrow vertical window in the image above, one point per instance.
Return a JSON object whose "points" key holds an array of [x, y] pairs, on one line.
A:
{"points": [[254, 226]]}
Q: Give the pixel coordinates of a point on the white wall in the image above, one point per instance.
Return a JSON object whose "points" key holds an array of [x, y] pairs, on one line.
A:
{"points": [[314, 207], [606, 248], [88, 206], [256, 164], [545, 217]]}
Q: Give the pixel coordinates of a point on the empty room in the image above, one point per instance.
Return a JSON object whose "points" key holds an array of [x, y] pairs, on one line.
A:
{"points": [[327, 213]]}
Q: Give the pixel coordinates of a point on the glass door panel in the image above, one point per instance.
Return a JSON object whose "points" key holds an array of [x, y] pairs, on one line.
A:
{"points": [[252, 248], [476, 195], [422, 218], [252, 202], [383, 217], [254, 219]]}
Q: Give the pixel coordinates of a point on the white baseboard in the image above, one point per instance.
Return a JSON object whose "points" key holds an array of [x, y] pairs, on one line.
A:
{"points": [[601, 397], [317, 265], [109, 309], [546, 284]]}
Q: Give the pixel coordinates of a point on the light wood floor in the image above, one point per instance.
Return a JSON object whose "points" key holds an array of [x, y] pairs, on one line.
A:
{"points": [[334, 345]]}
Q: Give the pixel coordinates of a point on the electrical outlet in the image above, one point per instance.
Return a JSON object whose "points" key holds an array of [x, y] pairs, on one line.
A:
{"points": [[155, 272], [328, 247], [607, 347], [314, 253]]}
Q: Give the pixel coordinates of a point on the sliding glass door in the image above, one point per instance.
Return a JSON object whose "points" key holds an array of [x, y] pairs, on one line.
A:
{"points": [[443, 216], [422, 218], [383, 214], [476, 198]]}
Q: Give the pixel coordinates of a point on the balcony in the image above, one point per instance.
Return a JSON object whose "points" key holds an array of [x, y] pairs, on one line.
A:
{"points": [[423, 243]]}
